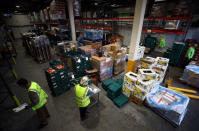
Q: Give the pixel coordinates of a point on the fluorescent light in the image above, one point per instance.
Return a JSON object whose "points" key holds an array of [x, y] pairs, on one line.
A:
{"points": [[17, 6]]}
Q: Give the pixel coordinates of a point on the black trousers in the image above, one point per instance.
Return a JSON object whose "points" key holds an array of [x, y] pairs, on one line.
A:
{"points": [[43, 114], [83, 112]]}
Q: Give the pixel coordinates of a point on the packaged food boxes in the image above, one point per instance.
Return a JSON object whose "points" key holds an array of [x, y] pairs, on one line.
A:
{"points": [[147, 62], [130, 79], [119, 63], [146, 74], [160, 70], [139, 93], [162, 61], [140, 52], [104, 65], [146, 85], [127, 91], [169, 104]]}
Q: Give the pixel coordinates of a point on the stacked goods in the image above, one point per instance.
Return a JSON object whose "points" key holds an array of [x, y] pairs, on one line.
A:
{"points": [[140, 52], [137, 86], [118, 56], [91, 49], [121, 100], [57, 10], [160, 70], [104, 65], [65, 47], [130, 79], [147, 62], [191, 75], [117, 39], [93, 35], [146, 74], [81, 63], [40, 47], [158, 65], [169, 104], [57, 78], [114, 91]]}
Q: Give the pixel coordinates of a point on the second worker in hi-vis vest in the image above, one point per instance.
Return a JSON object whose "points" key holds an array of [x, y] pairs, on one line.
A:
{"points": [[82, 99], [38, 100]]}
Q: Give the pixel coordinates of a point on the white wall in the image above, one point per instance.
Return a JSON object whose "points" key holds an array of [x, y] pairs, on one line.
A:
{"points": [[19, 23]]}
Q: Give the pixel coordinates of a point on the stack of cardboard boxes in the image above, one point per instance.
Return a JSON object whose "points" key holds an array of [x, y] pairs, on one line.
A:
{"points": [[104, 66], [137, 86], [91, 48], [118, 56], [159, 65]]}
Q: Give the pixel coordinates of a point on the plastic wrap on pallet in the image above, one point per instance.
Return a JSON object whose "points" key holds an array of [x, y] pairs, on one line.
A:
{"points": [[93, 34], [191, 75], [168, 103], [119, 64]]}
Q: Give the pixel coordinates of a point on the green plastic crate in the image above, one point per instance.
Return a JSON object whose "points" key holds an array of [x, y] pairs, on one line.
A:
{"points": [[120, 100], [106, 83], [114, 87], [112, 95]]}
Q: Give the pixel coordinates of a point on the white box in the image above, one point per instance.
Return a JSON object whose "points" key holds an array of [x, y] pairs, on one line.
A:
{"points": [[139, 93], [162, 61], [127, 91], [130, 79], [146, 74], [147, 86]]}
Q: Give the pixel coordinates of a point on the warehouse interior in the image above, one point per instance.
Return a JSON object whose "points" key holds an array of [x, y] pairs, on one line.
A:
{"points": [[93, 65]]}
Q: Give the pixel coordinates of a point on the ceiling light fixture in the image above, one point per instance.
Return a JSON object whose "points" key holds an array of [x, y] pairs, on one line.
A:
{"points": [[17, 6]]}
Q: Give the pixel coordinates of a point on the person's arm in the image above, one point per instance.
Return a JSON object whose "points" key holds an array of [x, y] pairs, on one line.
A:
{"points": [[34, 98]]}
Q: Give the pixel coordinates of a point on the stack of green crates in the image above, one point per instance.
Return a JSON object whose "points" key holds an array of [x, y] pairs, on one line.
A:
{"points": [[174, 54], [121, 100], [114, 90], [106, 83], [58, 79]]}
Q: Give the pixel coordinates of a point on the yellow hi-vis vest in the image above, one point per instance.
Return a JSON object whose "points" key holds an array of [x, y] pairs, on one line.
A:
{"points": [[40, 92], [82, 100]]}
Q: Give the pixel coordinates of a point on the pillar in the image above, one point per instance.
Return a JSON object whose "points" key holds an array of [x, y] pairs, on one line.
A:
{"points": [[71, 17], [136, 33]]}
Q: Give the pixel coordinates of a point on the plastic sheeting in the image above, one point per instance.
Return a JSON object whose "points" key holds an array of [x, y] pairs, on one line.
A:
{"points": [[191, 75], [168, 104]]}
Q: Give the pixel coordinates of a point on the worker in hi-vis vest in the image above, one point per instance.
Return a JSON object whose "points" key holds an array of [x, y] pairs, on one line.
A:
{"points": [[38, 100], [82, 99]]}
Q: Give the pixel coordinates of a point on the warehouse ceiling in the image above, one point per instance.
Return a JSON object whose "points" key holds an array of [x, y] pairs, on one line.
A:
{"points": [[10, 6]]}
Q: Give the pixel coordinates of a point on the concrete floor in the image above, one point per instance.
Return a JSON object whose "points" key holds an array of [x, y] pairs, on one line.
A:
{"points": [[65, 114]]}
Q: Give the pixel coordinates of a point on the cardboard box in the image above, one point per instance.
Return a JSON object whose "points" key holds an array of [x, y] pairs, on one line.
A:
{"points": [[130, 79], [162, 61], [147, 86], [146, 74], [127, 91], [104, 65], [139, 93]]}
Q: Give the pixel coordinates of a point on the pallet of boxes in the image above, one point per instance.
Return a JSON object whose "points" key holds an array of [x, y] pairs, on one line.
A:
{"points": [[104, 66], [151, 72], [118, 55], [138, 86], [159, 65]]}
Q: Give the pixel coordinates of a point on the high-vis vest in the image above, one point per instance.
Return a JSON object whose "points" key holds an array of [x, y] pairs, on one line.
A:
{"points": [[190, 52], [40, 92], [82, 100]]}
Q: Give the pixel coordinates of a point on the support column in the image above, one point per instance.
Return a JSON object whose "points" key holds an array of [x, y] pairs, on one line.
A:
{"points": [[136, 33], [71, 17]]}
